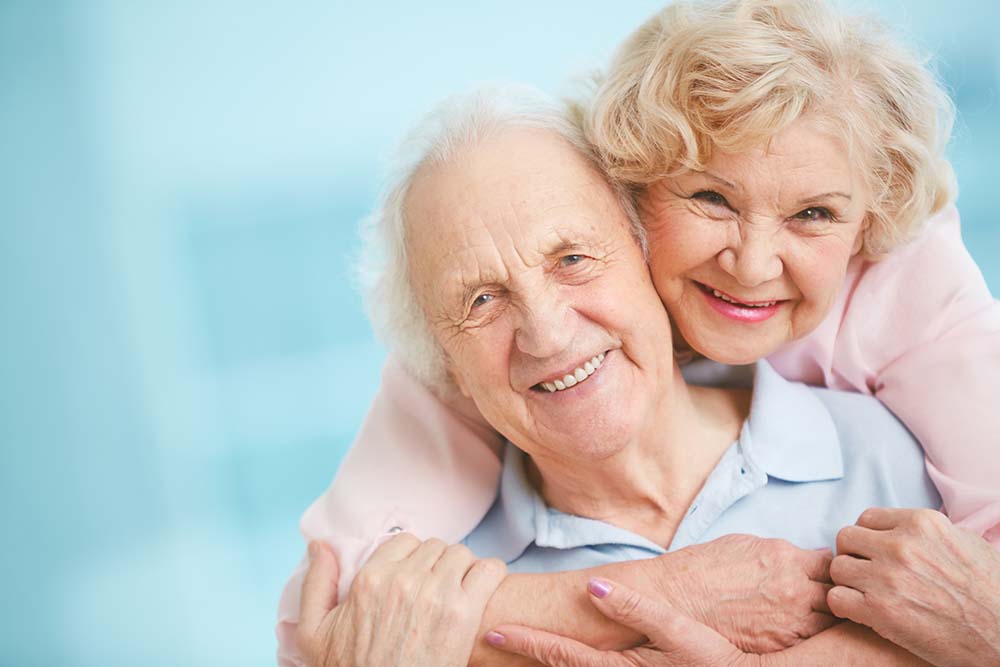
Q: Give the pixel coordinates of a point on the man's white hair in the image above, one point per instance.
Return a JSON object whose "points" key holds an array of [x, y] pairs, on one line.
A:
{"points": [[458, 122]]}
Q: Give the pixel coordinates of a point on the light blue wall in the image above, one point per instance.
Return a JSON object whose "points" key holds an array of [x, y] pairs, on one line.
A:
{"points": [[184, 359]]}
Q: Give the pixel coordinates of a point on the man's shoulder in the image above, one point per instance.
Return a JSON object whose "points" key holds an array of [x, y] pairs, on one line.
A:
{"points": [[870, 434], [860, 416]]}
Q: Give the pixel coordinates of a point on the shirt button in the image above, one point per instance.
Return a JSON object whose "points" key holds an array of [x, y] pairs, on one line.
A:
{"points": [[395, 529]]}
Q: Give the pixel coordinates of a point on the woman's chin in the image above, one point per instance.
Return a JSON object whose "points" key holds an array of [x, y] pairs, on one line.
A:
{"points": [[736, 350]]}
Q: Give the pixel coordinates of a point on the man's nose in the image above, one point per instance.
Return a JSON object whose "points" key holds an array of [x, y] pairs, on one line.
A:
{"points": [[545, 326], [752, 257]]}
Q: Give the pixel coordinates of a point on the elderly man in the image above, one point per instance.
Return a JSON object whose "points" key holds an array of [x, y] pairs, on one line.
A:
{"points": [[527, 281]]}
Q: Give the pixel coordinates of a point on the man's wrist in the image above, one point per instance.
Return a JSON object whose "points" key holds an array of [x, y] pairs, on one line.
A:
{"points": [[673, 583]]}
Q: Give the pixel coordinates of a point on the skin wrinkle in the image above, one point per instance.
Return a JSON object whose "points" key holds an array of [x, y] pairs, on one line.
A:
{"points": [[606, 455], [754, 246]]}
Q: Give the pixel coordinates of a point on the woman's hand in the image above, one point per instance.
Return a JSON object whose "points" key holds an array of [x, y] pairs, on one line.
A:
{"points": [[922, 583], [414, 603], [675, 640]]}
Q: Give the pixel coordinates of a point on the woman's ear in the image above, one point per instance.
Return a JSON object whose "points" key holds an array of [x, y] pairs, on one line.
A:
{"points": [[859, 240]]}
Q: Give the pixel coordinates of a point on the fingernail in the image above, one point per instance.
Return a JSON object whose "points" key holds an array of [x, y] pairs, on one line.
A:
{"points": [[599, 588], [494, 638]]}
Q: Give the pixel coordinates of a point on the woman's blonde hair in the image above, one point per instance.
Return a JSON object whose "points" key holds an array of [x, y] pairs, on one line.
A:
{"points": [[698, 77]]}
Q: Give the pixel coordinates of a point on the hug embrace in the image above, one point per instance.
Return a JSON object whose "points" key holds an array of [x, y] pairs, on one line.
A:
{"points": [[691, 370]]}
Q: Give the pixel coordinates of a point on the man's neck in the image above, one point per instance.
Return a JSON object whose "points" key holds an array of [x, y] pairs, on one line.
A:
{"points": [[648, 485]]}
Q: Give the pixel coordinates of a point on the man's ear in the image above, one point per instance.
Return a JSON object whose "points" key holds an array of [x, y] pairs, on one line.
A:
{"points": [[456, 380]]}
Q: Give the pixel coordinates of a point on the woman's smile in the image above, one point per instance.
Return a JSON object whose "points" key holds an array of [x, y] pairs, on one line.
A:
{"points": [[750, 312]]}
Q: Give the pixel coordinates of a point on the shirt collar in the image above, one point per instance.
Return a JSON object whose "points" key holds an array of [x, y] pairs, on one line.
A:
{"points": [[520, 517], [510, 526], [790, 433]]}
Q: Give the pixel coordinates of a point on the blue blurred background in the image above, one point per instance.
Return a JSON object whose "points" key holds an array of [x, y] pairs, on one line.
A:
{"points": [[184, 357]]}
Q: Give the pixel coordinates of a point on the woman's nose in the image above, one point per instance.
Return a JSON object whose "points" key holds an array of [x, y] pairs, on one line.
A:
{"points": [[752, 259]]}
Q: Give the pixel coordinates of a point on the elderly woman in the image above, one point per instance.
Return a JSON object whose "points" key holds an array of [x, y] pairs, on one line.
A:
{"points": [[687, 116], [530, 276]]}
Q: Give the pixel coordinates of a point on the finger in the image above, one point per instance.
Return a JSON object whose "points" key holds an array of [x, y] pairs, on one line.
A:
{"points": [[484, 576], [394, 549], [319, 588], [817, 597], [425, 556], [671, 631], [817, 564], [850, 604], [851, 571], [882, 518], [816, 623], [455, 562], [858, 541], [550, 649]]}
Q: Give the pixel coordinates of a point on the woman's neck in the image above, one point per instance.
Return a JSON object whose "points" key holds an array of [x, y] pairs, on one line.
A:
{"points": [[648, 485]]}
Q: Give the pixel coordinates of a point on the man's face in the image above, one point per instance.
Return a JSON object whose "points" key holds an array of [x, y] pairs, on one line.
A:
{"points": [[527, 271]]}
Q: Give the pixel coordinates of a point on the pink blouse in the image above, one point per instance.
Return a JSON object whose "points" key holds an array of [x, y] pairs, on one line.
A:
{"points": [[919, 330]]}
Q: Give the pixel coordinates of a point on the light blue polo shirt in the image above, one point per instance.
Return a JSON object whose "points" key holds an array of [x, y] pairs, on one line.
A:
{"points": [[808, 461]]}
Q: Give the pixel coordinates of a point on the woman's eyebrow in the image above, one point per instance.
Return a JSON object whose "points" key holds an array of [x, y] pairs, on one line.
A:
{"points": [[720, 180], [825, 195]]}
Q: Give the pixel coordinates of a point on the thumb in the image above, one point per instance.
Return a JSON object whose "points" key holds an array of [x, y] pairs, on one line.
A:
{"points": [[319, 588], [670, 631]]}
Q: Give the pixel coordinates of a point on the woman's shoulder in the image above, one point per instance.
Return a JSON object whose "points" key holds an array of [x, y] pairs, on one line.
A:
{"points": [[920, 289]]}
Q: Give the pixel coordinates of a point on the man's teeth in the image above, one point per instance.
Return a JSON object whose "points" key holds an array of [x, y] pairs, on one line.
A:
{"points": [[720, 295], [577, 376]]}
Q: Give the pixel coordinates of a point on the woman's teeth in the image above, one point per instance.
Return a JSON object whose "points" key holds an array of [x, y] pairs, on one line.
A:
{"points": [[720, 295], [577, 376]]}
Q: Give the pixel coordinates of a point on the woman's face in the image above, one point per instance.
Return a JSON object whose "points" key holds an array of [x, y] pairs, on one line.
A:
{"points": [[525, 266], [751, 253]]}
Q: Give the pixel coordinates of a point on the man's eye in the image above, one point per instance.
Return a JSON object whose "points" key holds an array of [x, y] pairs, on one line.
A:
{"points": [[570, 260], [815, 214], [482, 300], [711, 197]]}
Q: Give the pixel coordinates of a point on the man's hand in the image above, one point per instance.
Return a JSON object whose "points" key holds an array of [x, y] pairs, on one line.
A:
{"points": [[922, 583], [763, 595], [675, 640], [413, 603]]}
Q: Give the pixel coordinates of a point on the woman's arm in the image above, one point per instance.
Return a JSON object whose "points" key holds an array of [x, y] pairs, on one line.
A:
{"points": [[413, 603], [761, 594], [677, 640], [921, 331], [922, 583], [417, 465]]}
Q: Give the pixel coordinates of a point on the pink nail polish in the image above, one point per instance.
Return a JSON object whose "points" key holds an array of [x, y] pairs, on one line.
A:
{"points": [[494, 638], [599, 588]]}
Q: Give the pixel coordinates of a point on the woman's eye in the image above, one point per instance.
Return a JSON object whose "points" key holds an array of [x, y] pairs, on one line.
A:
{"points": [[482, 300], [711, 197], [570, 260], [815, 214]]}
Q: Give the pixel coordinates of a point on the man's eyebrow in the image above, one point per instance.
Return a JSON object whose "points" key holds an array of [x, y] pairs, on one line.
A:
{"points": [[578, 244], [562, 247], [469, 288]]}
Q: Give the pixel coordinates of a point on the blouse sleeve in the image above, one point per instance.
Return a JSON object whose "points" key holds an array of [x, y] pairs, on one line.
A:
{"points": [[921, 331], [417, 465]]}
